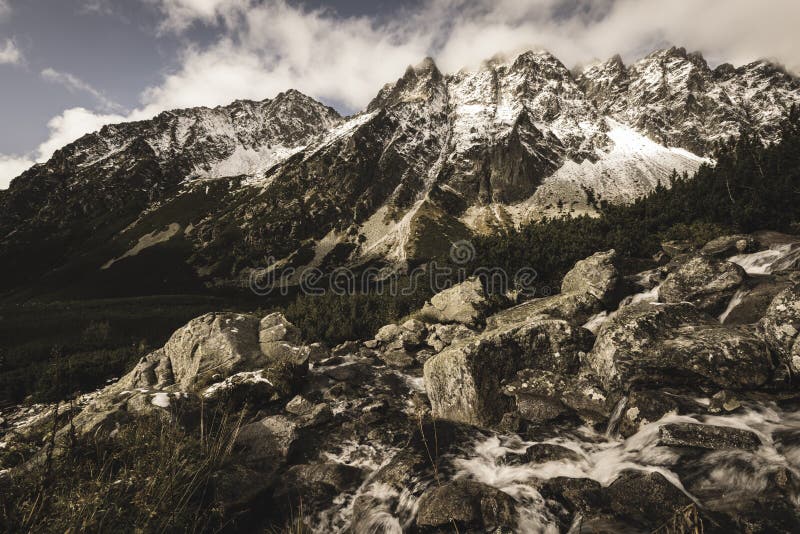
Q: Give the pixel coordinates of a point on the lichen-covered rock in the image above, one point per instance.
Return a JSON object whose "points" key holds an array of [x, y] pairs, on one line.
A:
{"points": [[705, 282], [651, 344], [465, 303], [596, 276], [467, 504], [648, 499], [464, 381], [781, 325], [706, 437]]}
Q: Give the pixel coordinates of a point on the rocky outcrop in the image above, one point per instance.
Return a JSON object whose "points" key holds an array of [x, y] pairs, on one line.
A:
{"points": [[648, 344], [781, 325], [464, 381], [576, 308], [465, 303], [707, 283]]}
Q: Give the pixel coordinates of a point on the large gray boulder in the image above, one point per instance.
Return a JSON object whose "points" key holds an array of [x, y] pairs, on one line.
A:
{"points": [[781, 325], [465, 303], [711, 437], [705, 282], [464, 380], [596, 276], [651, 344]]}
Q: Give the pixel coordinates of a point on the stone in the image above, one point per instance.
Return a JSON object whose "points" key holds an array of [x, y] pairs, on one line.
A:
{"points": [[705, 282], [576, 308], [299, 405], [465, 303], [724, 402], [463, 382], [706, 437], [575, 494], [729, 245], [750, 303], [441, 336], [648, 406], [271, 439], [548, 452], [649, 499], [466, 504], [596, 276], [275, 327], [540, 396], [650, 344], [781, 325]]}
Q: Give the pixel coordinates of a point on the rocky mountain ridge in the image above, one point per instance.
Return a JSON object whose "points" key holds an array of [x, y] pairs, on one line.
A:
{"points": [[433, 158]]}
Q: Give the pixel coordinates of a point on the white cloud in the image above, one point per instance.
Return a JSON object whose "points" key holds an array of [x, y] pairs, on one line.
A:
{"points": [[5, 9], [267, 46], [9, 53], [65, 128], [76, 85], [180, 14], [11, 167]]}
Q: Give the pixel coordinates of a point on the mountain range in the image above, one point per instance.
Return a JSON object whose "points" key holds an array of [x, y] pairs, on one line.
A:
{"points": [[205, 197]]}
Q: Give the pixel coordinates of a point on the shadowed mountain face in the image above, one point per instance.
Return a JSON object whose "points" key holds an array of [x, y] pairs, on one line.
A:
{"points": [[204, 196]]}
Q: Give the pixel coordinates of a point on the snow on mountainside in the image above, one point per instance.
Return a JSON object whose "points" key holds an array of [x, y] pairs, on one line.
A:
{"points": [[433, 157]]}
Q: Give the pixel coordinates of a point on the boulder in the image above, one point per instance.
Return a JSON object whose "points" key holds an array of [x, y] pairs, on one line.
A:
{"points": [[596, 276], [275, 327], [576, 495], [729, 245], [465, 303], [705, 282], [467, 505], [647, 499], [650, 344], [314, 486], [577, 308], [463, 382], [781, 325], [706, 437], [724, 402]]}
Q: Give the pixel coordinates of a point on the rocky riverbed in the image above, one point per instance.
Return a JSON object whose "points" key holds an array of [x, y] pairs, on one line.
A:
{"points": [[661, 401]]}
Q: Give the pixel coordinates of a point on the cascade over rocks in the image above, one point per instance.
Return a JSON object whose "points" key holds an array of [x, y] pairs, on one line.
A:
{"points": [[707, 283], [649, 344]]}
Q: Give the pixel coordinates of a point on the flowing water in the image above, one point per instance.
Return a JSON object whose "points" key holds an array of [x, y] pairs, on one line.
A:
{"points": [[712, 478]]}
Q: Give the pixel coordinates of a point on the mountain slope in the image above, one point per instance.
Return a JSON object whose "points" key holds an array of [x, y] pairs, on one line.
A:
{"points": [[287, 183]]}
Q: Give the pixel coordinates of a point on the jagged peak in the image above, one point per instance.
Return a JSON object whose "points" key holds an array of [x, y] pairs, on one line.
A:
{"points": [[676, 52]]}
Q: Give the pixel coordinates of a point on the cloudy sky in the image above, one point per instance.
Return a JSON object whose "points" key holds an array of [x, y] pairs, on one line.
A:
{"points": [[69, 66]]}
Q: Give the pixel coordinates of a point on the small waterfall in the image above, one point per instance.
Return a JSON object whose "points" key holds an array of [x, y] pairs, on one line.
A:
{"points": [[737, 299], [763, 261], [616, 415]]}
